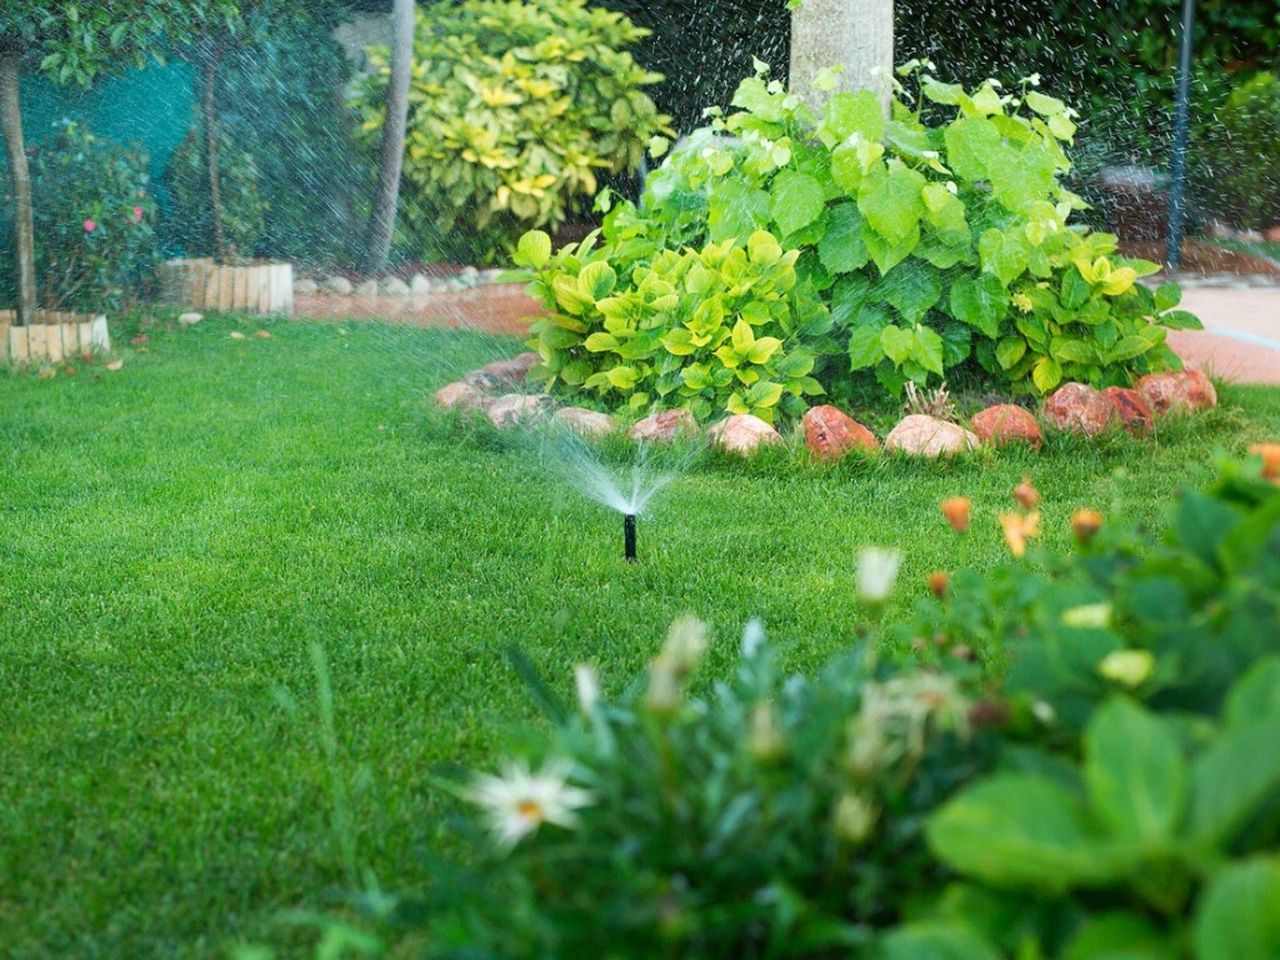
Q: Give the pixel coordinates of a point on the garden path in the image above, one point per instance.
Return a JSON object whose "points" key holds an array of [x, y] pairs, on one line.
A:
{"points": [[1241, 341]]}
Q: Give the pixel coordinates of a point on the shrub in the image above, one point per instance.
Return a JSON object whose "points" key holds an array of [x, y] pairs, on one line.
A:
{"points": [[940, 241], [515, 108], [243, 209], [1240, 156], [93, 220], [1101, 783]]}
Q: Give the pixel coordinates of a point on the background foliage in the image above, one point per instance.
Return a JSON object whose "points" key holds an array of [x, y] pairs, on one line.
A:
{"points": [[94, 217], [515, 110]]}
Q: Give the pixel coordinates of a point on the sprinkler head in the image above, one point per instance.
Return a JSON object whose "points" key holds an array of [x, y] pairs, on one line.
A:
{"points": [[629, 537]]}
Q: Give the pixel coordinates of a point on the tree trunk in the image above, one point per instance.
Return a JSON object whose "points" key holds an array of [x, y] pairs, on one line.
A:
{"points": [[854, 34], [210, 107], [391, 160], [23, 229]]}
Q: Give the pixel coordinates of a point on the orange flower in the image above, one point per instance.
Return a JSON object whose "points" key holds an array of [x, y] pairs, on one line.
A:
{"points": [[1026, 494], [939, 581], [1018, 529], [1270, 454], [1085, 524], [956, 510]]}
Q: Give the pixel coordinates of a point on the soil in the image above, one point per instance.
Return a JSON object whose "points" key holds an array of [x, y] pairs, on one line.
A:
{"points": [[494, 308], [1203, 258]]}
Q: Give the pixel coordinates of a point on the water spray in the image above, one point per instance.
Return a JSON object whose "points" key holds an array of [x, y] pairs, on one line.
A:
{"points": [[629, 537]]}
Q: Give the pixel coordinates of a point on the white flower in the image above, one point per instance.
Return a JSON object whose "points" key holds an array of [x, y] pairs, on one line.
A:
{"points": [[994, 83], [951, 187], [1034, 79], [930, 154], [752, 638], [518, 802], [588, 684], [686, 643], [877, 573]]}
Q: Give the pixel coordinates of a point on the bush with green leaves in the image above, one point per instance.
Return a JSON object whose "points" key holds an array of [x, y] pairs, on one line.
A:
{"points": [[1075, 764], [940, 240], [515, 108], [1238, 158], [244, 211], [94, 217], [713, 329]]}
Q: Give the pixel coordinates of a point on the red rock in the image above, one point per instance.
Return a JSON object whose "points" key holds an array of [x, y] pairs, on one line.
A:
{"points": [[460, 396], [1183, 392], [514, 409], [664, 427], [1131, 407], [831, 433], [589, 423], [1007, 423], [514, 370], [743, 433], [1079, 408], [924, 436]]}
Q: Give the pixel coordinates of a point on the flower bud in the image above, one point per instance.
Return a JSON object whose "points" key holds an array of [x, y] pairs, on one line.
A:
{"points": [[855, 818], [876, 574], [956, 510], [766, 739], [1270, 455], [1085, 524], [1129, 668], [939, 581], [588, 685], [1026, 494], [663, 695]]}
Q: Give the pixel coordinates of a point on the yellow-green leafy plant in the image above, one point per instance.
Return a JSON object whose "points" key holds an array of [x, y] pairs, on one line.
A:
{"points": [[516, 107], [715, 330]]}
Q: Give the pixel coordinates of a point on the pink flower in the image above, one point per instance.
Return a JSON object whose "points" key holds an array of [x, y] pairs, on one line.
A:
{"points": [[137, 214], [90, 226]]}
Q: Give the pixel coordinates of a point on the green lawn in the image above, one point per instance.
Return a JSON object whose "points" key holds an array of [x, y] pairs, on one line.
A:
{"points": [[176, 536]]}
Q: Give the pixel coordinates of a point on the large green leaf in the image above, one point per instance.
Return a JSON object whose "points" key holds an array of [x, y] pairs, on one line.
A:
{"points": [[1256, 696], [1023, 830], [865, 348], [1234, 778], [972, 145], [1006, 253], [932, 941], [848, 113], [843, 250], [736, 210], [1136, 773], [796, 200], [981, 302], [898, 343], [913, 290], [890, 198], [928, 350], [1238, 917], [888, 255]]}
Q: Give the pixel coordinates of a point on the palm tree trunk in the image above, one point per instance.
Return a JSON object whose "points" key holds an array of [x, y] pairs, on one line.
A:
{"points": [[23, 229], [210, 108], [391, 161]]}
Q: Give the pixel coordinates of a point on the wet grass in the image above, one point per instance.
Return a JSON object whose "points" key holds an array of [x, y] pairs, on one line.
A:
{"points": [[176, 537]]}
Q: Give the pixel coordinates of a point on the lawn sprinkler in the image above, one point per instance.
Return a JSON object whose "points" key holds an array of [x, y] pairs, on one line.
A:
{"points": [[629, 537]]}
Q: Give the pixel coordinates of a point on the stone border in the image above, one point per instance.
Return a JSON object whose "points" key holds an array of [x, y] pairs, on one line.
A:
{"points": [[420, 285], [830, 433]]}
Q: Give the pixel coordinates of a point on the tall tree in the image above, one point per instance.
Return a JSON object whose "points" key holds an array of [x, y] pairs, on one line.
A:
{"points": [[248, 24], [854, 34], [75, 43], [391, 159]]}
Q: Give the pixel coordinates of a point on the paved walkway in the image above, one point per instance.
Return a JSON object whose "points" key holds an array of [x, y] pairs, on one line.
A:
{"points": [[1241, 339]]}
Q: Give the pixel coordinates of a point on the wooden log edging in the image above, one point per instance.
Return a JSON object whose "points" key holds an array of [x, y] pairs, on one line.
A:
{"points": [[57, 336], [201, 284]]}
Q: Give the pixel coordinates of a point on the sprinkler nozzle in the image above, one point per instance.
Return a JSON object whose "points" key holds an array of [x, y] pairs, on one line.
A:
{"points": [[629, 537]]}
